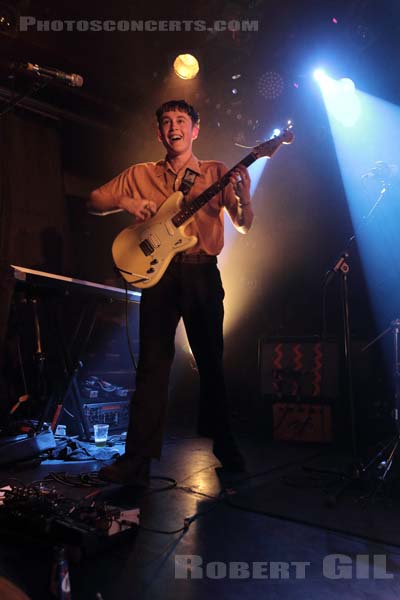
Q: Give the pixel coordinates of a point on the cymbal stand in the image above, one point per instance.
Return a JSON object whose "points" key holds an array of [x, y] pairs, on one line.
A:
{"points": [[385, 458]]}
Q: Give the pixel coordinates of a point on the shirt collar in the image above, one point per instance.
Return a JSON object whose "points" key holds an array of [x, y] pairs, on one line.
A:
{"points": [[163, 165]]}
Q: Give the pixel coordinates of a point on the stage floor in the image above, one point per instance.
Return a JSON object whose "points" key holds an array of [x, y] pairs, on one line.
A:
{"points": [[262, 534]]}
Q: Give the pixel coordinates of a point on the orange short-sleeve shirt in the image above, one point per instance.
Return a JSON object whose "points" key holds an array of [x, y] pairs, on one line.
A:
{"points": [[156, 181]]}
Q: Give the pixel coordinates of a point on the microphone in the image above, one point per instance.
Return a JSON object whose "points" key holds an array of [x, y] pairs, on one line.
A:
{"points": [[71, 79], [382, 171]]}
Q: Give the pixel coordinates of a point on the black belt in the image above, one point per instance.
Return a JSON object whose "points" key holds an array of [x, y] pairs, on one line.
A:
{"points": [[194, 258]]}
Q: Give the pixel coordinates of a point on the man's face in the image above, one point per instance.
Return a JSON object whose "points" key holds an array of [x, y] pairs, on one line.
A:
{"points": [[177, 132]]}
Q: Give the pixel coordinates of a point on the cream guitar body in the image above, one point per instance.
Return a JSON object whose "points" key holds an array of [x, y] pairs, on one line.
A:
{"points": [[143, 251]]}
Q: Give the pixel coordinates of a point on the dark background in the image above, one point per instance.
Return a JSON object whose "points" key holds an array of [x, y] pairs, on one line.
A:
{"points": [[62, 142]]}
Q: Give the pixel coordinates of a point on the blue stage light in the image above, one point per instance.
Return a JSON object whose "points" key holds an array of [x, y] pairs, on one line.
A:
{"points": [[340, 97], [319, 75], [368, 157], [348, 85]]}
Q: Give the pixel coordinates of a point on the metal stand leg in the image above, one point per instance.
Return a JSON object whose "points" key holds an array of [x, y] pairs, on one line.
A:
{"points": [[347, 357], [40, 361], [72, 366], [385, 458]]}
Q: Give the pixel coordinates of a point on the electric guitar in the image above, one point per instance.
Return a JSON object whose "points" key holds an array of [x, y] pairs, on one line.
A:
{"points": [[143, 251]]}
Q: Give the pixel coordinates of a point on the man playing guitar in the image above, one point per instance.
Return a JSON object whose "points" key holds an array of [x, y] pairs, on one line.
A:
{"points": [[189, 288]]}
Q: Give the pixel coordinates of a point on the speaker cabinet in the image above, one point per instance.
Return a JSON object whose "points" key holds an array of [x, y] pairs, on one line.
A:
{"points": [[299, 381], [302, 422]]}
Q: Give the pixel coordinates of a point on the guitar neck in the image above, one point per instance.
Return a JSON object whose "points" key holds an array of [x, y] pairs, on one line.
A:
{"points": [[189, 209]]}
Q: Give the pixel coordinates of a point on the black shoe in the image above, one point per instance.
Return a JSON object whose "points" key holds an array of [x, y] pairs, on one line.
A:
{"points": [[228, 454], [127, 470]]}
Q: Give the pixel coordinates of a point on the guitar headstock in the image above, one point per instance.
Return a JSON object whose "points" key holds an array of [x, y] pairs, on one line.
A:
{"points": [[270, 146]]}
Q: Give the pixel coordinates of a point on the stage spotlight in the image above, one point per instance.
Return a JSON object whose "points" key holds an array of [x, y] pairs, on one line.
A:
{"points": [[348, 85], [319, 75], [340, 97], [186, 66], [276, 132]]}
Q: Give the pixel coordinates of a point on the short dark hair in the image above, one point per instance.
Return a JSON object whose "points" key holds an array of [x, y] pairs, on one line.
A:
{"points": [[181, 105]]}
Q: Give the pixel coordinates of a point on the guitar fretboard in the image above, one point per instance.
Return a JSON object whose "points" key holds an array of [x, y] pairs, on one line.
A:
{"points": [[187, 211]]}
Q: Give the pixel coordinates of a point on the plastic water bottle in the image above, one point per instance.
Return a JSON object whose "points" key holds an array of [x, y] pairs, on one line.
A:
{"points": [[60, 585]]}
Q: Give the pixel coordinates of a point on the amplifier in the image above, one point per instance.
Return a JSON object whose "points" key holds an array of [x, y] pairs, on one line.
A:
{"points": [[298, 368], [114, 414], [299, 385], [302, 422]]}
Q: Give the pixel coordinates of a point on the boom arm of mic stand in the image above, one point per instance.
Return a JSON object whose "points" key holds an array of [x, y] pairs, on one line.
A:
{"points": [[341, 261]]}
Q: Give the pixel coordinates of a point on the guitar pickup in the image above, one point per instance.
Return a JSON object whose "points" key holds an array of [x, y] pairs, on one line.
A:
{"points": [[146, 247], [149, 244], [154, 240]]}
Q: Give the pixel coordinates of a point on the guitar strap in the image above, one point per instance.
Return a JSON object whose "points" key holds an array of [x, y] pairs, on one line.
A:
{"points": [[188, 181]]}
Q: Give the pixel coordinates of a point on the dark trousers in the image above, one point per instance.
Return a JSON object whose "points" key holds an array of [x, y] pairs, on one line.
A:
{"points": [[194, 292]]}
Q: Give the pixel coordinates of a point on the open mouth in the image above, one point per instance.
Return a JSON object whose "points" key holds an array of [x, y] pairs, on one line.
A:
{"points": [[175, 138]]}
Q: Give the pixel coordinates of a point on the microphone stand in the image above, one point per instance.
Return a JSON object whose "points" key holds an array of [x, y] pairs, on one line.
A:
{"points": [[342, 267]]}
